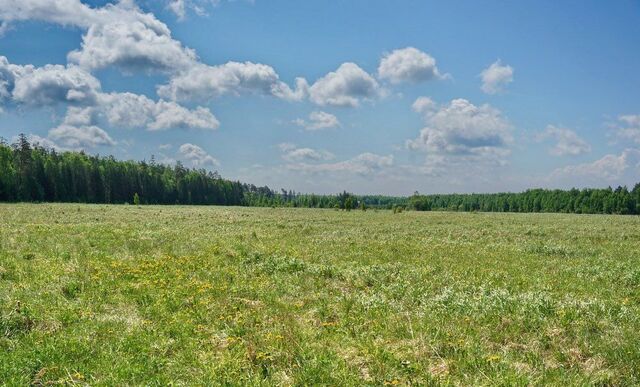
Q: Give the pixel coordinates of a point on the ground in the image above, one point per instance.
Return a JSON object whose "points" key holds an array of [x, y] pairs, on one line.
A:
{"points": [[102, 294]]}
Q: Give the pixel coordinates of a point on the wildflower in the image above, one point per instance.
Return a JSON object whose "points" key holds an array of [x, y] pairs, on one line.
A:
{"points": [[494, 358]]}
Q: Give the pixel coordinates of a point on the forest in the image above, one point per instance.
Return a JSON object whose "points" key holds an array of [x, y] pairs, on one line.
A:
{"points": [[32, 173]]}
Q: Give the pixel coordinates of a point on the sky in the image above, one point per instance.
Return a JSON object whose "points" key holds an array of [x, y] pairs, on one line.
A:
{"points": [[368, 96]]}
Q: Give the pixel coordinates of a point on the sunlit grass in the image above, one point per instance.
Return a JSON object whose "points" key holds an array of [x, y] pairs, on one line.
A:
{"points": [[206, 295]]}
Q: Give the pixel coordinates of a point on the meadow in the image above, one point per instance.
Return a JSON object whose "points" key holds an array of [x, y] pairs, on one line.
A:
{"points": [[153, 295]]}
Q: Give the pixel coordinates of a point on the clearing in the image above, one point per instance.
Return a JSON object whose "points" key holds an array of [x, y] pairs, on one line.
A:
{"points": [[103, 294]]}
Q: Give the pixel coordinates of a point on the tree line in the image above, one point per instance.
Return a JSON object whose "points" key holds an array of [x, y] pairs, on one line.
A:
{"points": [[585, 201], [32, 173]]}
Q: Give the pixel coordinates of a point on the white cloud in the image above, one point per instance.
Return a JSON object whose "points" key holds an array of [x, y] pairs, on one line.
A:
{"points": [[65, 12], [80, 136], [132, 42], [181, 7], [629, 128], [609, 168], [165, 146], [121, 35], [203, 82], [198, 156], [630, 119], [496, 77], [424, 105], [290, 152], [178, 7], [172, 115], [51, 84], [568, 143], [463, 131], [310, 160], [117, 34], [408, 65], [78, 130], [4, 27], [363, 164], [318, 120], [47, 85], [344, 87], [133, 110], [78, 116], [8, 74]]}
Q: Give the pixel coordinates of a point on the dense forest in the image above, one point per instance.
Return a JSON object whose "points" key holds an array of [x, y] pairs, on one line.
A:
{"points": [[31, 173], [585, 201]]}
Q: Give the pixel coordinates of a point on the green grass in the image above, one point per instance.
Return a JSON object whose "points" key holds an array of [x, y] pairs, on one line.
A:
{"points": [[210, 295]]}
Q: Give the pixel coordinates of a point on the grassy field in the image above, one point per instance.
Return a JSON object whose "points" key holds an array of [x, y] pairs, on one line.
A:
{"points": [[93, 294]]}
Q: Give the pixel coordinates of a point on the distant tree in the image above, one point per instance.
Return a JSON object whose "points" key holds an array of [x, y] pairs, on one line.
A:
{"points": [[35, 173], [348, 203]]}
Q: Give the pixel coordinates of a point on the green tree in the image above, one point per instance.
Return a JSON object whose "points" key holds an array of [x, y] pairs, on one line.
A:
{"points": [[348, 203]]}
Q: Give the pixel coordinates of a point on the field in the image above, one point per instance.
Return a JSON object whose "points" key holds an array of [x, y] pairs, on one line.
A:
{"points": [[93, 294]]}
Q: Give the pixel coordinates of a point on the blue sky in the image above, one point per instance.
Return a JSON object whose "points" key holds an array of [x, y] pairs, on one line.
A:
{"points": [[397, 96]]}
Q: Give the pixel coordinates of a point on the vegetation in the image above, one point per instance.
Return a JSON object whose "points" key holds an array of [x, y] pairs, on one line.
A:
{"points": [[152, 295], [33, 174], [586, 201]]}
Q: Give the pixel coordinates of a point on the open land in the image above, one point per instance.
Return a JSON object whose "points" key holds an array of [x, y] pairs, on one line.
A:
{"points": [[105, 294]]}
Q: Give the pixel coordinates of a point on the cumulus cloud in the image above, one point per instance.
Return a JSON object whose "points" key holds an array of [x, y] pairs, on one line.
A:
{"points": [[611, 167], [568, 143], [47, 85], [121, 35], [629, 128], [8, 73], [423, 105], [172, 115], [80, 136], [496, 77], [198, 156], [133, 110], [318, 120], [53, 84], [308, 160], [118, 34], [463, 131], [290, 152], [79, 130], [408, 65], [178, 7], [364, 164], [141, 44], [346, 86], [203, 82], [65, 12]]}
